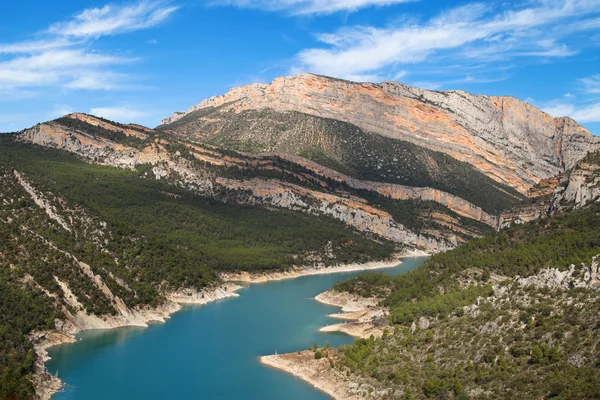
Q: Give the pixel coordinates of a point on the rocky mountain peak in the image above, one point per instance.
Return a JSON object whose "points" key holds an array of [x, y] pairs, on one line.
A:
{"points": [[507, 139]]}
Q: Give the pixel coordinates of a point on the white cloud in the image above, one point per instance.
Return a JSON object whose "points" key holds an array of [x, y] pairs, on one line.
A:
{"points": [[559, 110], [580, 113], [34, 46], [60, 110], [67, 68], [589, 113], [300, 7], [111, 20], [64, 56], [121, 114], [591, 83], [474, 31], [427, 85]]}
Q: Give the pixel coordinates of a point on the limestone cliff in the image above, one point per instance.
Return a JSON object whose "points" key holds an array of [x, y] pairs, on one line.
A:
{"points": [[575, 188], [505, 138], [579, 186]]}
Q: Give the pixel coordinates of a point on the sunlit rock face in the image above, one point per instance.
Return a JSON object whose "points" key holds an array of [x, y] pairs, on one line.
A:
{"points": [[507, 139], [575, 188]]}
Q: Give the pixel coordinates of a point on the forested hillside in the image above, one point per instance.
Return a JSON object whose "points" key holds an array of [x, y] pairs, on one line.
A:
{"points": [[422, 217], [101, 223], [83, 238], [512, 315]]}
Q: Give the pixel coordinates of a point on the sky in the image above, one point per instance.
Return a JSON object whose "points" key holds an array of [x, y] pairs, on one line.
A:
{"points": [[139, 61]]}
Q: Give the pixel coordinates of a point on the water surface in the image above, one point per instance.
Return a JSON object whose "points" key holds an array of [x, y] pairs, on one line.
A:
{"points": [[208, 352]]}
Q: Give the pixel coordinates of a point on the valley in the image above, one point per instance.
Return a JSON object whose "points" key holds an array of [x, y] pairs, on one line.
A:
{"points": [[108, 225]]}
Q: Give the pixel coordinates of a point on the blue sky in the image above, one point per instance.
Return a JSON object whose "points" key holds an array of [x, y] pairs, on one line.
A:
{"points": [[140, 61]]}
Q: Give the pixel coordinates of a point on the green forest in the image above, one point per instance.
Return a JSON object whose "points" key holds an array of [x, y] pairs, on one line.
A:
{"points": [[570, 238]]}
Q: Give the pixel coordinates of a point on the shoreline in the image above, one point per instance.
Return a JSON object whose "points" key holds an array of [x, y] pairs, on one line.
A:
{"points": [[358, 314], [317, 373], [46, 385], [297, 272]]}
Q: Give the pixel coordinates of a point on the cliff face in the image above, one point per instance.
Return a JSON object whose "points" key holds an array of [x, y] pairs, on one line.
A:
{"points": [[579, 186], [509, 140], [576, 188]]}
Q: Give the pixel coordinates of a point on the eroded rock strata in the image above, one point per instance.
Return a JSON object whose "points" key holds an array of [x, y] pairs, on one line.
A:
{"points": [[509, 140]]}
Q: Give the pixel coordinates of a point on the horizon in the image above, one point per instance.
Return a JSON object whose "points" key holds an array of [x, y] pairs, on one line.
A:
{"points": [[141, 61]]}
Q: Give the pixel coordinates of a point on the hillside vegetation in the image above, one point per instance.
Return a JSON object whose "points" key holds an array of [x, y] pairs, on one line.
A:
{"points": [[489, 319], [346, 149]]}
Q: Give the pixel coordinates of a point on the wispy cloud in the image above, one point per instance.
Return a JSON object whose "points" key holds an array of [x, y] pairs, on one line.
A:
{"points": [[60, 110], [582, 114], [591, 84], [583, 107], [559, 109], [304, 7], [475, 32], [64, 57], [112, 20], [114, 113], [35, 46], [589, 113]]}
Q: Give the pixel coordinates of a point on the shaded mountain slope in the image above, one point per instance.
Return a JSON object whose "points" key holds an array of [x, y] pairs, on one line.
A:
{"points": [[347, 149], [575, 188], [84, 246], [273, 180]]}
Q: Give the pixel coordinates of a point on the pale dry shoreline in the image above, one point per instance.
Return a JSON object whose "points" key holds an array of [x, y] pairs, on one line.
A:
{"points": [[358, 314], [317, 373], [46, 385], [262, 277]]}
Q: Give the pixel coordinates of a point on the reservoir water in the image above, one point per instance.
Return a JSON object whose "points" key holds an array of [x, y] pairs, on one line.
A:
{"points": [[208, 352]]}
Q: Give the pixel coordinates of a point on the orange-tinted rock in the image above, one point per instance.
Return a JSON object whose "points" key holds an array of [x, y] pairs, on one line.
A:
{"points": [[507, 139]]}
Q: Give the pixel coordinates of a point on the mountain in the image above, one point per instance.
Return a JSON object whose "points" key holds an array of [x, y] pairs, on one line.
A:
{"points": [[513, 314], [506, 139], [421, 217], [105, 225]]}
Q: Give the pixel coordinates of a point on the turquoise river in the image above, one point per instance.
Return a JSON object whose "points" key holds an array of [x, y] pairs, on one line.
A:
{"points": [[208, 352]]}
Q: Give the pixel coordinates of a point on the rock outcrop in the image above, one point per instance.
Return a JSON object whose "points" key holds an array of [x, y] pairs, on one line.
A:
{"points": [[576, 188], [584, 277], [507, 139], [400, 192], [363, 217]]}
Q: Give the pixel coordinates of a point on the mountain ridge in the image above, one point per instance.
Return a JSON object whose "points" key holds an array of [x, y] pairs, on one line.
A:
{"points": [[193, 166], [506, 138]]}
